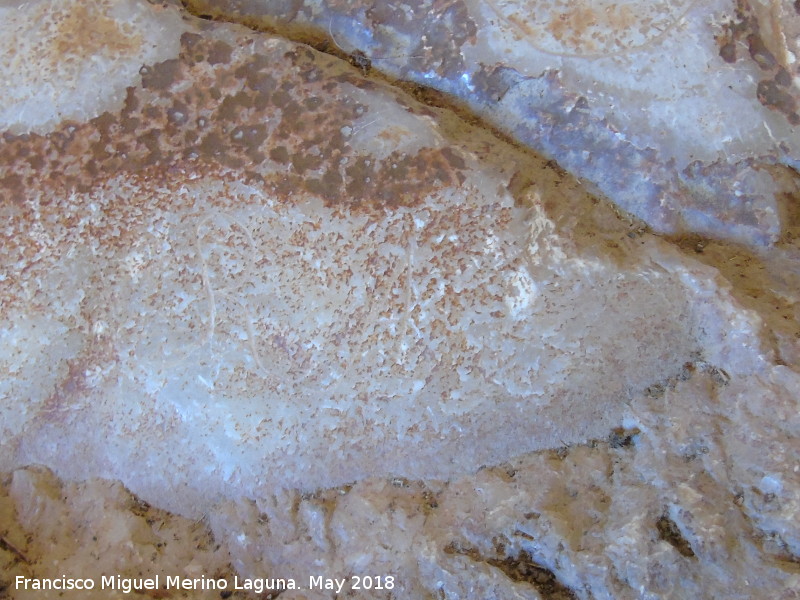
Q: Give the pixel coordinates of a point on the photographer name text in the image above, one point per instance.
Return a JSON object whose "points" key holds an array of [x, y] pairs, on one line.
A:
{"points": [[259, 585]]}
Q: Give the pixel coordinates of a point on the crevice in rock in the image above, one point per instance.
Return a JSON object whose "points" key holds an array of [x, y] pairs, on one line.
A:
{"points": [[521, 568], [718, 375], [18, 554], [758, 283], [139, 507], [623, 438], [669, 532]]}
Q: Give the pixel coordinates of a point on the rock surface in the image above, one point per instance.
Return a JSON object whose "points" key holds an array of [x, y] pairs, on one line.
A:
{"points": [[94, 528], [343, 332], [676, 110]]}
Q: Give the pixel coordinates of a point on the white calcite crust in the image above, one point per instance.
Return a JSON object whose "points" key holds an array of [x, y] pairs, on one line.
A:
{"points": [[73, 532], [345, 333]]}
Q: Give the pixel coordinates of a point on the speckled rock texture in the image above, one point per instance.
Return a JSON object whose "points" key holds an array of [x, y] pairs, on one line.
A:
{"points": [[677, 110], [266, 306]]}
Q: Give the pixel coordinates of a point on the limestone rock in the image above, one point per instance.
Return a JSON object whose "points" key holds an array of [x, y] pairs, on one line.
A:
{"points": [[93, 529], [316, 280], [353, 334], [675, 110]]}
